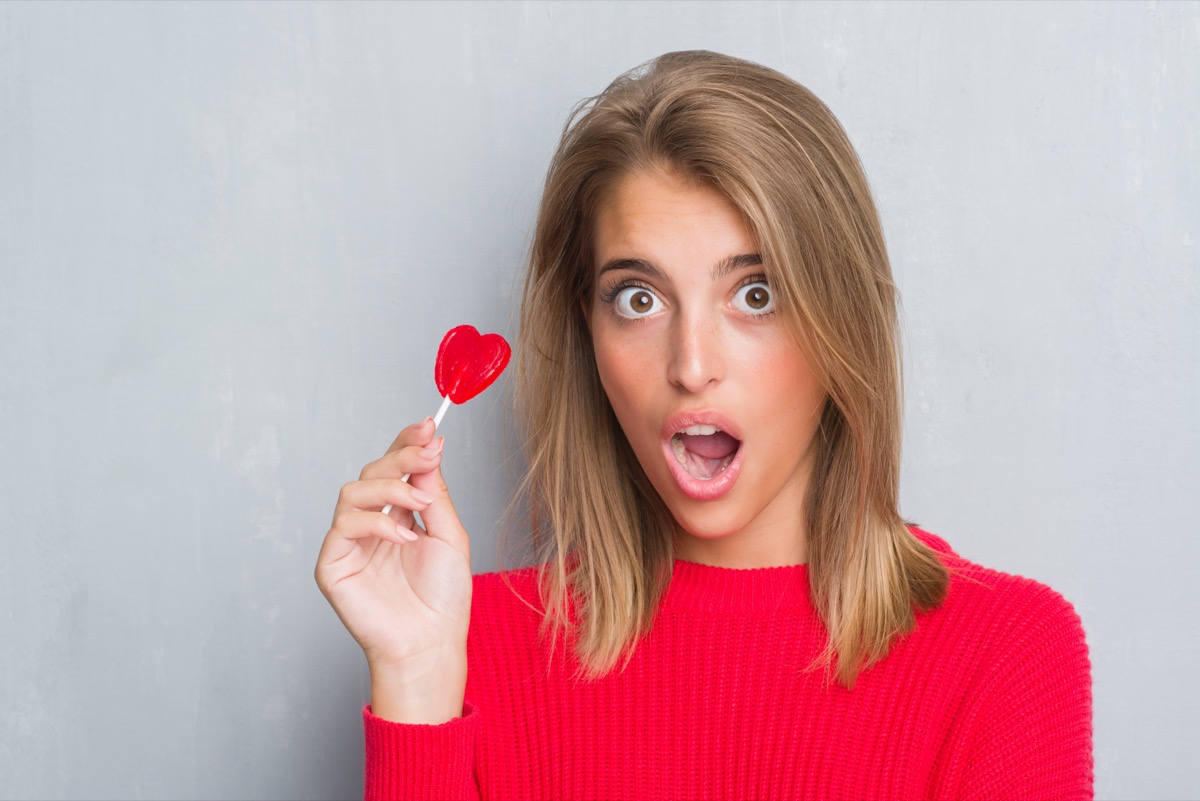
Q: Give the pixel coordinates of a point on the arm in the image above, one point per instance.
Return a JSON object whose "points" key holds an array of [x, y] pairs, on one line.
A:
{"points": [[1031, 734], [405, 760], [404, 593]]}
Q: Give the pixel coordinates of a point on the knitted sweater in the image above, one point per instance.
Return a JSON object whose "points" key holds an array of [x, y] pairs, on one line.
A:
{"points": [[988, 697]]}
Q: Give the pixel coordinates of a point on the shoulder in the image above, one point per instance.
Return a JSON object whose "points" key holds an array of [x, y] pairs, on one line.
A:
{"points": [[977, 590], [509, 595], [1013, 615], [506, 645], [496, 585], [1025, 698]]}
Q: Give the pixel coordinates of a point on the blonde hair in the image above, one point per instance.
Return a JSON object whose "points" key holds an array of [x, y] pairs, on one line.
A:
{"points": [[604, 537]]}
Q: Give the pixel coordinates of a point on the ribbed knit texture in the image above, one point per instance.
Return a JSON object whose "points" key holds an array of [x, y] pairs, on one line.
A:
{"points": [[989, 697]]}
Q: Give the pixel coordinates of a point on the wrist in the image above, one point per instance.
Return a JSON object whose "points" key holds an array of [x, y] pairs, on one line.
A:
{"points": [[428, 691]]}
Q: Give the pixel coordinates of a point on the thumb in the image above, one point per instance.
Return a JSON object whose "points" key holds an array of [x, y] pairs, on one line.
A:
{"points": [[440, 518]]}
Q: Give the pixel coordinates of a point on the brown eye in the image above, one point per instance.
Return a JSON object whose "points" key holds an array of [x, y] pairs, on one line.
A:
{"points": [[636, 301], [755, 299]]}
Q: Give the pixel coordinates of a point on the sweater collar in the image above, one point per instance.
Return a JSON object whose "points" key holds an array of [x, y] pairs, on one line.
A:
{"points": [[724, 589]]}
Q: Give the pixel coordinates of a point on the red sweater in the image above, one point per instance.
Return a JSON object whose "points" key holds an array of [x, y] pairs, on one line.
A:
{"points": [[989, 697]]}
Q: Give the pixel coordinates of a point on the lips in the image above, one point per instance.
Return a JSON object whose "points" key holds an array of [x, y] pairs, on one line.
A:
{"points": [[703, 453]]}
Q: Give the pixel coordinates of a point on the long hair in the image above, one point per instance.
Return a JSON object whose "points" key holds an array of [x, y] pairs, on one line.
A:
{"points": [[603, 535]]}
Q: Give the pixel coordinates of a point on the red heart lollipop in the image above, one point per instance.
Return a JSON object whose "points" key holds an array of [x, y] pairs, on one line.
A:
{"points": [[468, 363]]}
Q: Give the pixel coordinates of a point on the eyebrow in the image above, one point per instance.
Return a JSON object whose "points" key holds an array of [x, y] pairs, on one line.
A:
{"points": [[720, 270], [733, 263]]}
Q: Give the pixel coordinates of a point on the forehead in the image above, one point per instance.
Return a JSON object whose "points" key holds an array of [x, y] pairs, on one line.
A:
{"points": [[661, 216]]}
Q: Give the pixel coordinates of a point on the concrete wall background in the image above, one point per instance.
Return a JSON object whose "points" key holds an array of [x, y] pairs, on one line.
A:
{"points": [[231, 236]]}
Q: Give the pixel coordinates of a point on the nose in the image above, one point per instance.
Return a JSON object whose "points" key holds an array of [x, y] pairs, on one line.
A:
{"points": [[697, 353]]}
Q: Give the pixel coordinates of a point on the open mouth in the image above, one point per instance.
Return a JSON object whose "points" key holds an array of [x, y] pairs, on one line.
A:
{"points": [[702, 454], [704, 451]]}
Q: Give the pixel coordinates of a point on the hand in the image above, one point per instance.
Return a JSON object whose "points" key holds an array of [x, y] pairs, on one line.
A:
{"points": [[402, 590]]}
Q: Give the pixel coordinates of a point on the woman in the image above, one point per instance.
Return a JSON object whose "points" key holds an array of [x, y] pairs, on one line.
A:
{"points": [[729, 603]]}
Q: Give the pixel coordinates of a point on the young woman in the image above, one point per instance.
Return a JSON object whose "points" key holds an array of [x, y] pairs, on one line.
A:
{"points": [[729, 604]]}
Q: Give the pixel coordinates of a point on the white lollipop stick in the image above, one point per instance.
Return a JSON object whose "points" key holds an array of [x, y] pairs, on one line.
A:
{"points": [[437, 421]]}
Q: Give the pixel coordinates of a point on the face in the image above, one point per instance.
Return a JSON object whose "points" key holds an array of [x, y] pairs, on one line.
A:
{"points": [[716, 400]]}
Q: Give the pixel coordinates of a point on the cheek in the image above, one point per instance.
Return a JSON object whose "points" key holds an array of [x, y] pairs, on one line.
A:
{"points": [[626, 369], [618, 372], [783, 379]]}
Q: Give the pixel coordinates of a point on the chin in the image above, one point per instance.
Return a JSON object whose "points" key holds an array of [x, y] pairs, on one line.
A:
{"points": [[706, 521]]}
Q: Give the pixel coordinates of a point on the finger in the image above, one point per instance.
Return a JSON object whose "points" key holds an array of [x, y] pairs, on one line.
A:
{"points": [[405, 461], [440, 518], [402, 516], [351, 528], [356, 525], [416, 434], [399, 514], [375, 493]]}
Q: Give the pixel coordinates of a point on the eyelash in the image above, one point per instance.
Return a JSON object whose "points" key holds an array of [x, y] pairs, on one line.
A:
{"points": [[756, 279], [609, 296]]}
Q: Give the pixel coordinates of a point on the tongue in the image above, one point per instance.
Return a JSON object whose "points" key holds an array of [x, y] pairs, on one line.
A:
{"points": [[710, 446]]}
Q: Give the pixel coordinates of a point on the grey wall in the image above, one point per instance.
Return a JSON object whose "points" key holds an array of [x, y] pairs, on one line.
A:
{"points": [[231, 237]]}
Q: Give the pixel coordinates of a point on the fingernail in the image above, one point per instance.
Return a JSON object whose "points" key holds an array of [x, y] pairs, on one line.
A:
{"points": [[441, 441], [429, 452], [405, 534], [426, 421], [422, 497]]}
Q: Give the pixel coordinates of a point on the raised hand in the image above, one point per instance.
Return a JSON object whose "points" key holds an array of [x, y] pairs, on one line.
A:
{"points": [[403, 590]]}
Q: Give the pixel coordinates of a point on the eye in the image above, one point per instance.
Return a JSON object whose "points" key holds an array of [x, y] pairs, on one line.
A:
{"points": [[754, 299], [636, 301]]}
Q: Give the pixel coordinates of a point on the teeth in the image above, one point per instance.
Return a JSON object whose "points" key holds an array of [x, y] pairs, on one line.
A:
{"points": [[701, 431], [677, 446]]}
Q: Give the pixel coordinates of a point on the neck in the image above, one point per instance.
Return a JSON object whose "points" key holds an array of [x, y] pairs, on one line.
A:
{"points": [[767, 543]]}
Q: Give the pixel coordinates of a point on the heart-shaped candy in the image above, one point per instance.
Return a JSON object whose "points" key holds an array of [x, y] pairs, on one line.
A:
{"points": [[468, 362]]}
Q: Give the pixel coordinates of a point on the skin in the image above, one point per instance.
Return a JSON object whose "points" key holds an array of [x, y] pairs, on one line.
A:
{"points": [[700, 341], [403, 590]]}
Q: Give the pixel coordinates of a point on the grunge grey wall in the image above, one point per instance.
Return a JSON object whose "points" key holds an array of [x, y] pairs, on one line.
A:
{"points": [[232, 235]]}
